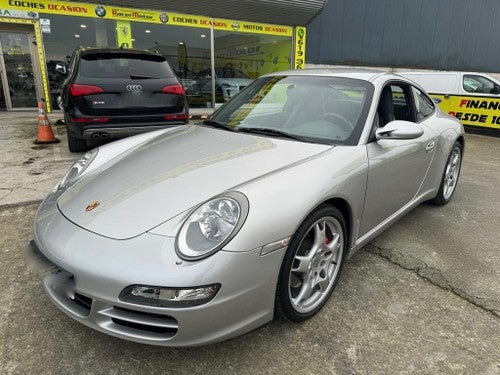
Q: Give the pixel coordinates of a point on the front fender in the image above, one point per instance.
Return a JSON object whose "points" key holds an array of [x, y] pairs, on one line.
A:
{"points": [[280, 202]]}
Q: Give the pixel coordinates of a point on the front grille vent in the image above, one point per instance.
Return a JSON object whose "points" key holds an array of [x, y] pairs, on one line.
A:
{"points": [[83, 301], [144, 323]]}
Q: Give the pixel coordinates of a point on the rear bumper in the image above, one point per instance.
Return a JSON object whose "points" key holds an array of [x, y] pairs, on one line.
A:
{"points": [[118, 126], [90, 131]]}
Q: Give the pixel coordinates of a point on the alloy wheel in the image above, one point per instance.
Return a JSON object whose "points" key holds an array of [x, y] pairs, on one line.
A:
{"points": [[316, 264]]}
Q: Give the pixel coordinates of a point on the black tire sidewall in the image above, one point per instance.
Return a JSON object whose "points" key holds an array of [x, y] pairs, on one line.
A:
{"points": [[76, 144], [284, 309], [440, 199]]}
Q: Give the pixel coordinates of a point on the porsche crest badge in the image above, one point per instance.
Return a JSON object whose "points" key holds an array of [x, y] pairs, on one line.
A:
{"points": [[92, 206]]}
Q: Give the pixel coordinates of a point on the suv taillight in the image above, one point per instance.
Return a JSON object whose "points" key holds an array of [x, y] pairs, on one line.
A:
{"points": [[180, 116], [174, 89], [76, 89]]}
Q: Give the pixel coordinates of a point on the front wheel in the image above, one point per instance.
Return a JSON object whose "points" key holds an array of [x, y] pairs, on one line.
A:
{"points": [[450, 176], [312, 265]]}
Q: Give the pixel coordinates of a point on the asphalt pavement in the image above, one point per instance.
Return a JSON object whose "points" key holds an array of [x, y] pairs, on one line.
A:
{"points": [[422, 298]]}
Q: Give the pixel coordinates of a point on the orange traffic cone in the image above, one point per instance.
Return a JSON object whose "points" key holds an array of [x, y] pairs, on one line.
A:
{"points": [[45, 134]]}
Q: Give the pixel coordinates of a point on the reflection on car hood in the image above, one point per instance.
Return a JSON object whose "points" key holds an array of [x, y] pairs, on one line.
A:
{"points": [[172, 173]]}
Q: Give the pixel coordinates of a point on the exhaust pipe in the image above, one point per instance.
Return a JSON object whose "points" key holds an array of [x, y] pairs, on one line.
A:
{"points": [[100, 136]]}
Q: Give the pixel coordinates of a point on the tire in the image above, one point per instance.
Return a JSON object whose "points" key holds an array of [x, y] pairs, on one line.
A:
{"points": [[312, 265], [450, 176], [76, 144]]}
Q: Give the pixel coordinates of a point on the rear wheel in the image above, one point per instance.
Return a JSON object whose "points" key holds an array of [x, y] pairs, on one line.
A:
{"points": [[312, 265], [76, 144], [450, 176]]}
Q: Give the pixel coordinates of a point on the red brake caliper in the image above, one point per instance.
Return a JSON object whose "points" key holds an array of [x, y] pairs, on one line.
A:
{"points": [[327, 241]]}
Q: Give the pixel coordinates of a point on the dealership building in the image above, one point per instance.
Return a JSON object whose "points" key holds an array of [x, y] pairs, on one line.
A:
{"points": [[233, 41]]}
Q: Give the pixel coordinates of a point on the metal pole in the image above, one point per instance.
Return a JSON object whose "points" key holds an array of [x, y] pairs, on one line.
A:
{"points": [[212, 60]]}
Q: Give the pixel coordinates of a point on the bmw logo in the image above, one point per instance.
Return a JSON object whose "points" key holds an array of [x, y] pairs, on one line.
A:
{"points": [[235, 26], [100, 11], [164, 17]]}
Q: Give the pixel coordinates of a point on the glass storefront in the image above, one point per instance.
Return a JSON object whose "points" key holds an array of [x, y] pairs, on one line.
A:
{"points": [[186, 49], [242, 50], [242, 57], [66, 34], [18, 65]]}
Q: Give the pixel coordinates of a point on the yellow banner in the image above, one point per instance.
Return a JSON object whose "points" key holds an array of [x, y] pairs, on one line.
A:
{"points": [[300, 48], [123, 34], [251, 27], [140, 15], [472, 110]]}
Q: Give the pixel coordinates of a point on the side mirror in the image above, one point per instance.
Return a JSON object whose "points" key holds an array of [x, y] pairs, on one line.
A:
{"points": [[399, 130], [61, 68]]}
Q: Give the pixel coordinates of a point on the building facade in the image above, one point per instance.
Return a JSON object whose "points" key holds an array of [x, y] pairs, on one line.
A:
{"points": [[421, 34], [38, 37]]}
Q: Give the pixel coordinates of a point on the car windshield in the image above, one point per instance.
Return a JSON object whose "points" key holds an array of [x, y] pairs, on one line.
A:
{"points": [[124, 66], [312, 108]]}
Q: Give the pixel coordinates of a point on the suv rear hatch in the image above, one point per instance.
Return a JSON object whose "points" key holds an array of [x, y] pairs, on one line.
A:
{"points": [[125, 83]]}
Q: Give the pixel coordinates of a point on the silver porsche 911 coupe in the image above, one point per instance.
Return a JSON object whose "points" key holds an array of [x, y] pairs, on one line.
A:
{"points": [[199, 233]]}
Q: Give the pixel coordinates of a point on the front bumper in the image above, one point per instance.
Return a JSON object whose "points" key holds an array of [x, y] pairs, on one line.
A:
{"points": [[89, 271]]}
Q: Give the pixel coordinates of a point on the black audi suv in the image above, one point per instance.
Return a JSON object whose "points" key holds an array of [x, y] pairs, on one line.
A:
{"points": [[113, 93]]}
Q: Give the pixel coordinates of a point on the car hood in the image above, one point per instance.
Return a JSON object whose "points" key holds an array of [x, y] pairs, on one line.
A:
{"points": [[172, 173]]}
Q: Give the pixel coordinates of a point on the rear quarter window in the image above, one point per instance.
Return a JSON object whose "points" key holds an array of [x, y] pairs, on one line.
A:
{"points": [[423, 105], [124, 66]]}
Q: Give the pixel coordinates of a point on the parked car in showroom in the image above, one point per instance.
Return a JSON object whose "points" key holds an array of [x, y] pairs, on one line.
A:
{"points": [[113, 93], [200, 233], [228, 83]]}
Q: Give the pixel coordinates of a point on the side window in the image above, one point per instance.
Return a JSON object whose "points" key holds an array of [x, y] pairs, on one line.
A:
{"points": [[479, 84], [394, 104], [401, 103], [423, 105]]}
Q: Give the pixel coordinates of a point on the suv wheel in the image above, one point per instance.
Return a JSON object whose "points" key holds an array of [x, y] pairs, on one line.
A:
{"points": [[76, 144]]}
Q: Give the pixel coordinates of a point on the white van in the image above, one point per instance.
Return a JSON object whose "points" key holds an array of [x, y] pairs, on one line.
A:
{"points": [[473, 98], [455, 83]]}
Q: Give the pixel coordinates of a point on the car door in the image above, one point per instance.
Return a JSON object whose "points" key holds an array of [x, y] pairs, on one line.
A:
{"points": [[396, 167]]}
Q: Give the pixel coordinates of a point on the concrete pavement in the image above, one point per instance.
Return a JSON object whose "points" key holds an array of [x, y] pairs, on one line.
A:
{"points": [[456, 246], [28, 171], [422, 298]]}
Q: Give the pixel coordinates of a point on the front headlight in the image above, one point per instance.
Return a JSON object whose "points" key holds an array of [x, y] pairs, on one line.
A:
{"points": [[212, 225], [76, 170]]}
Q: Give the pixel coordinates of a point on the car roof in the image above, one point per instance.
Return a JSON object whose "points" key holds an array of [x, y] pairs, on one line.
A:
{"points": [[363, 74]]}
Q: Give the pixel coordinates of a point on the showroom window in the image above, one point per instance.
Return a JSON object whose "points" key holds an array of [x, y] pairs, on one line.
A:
{"points": [[242, 57], [63, 34], [186, 49]]}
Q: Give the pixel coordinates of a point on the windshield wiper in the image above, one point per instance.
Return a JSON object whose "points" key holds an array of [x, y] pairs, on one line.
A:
{"points": [[273, 132], [218, 125]]}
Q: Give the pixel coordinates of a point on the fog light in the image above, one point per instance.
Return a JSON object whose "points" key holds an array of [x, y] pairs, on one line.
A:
{"points": [[168, 297]]}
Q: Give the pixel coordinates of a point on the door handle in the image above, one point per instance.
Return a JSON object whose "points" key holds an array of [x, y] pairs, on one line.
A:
{"points": [[430, 146]]}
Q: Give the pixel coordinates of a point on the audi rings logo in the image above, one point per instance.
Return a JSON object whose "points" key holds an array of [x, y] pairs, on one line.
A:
{"points": [[133, 88]]}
